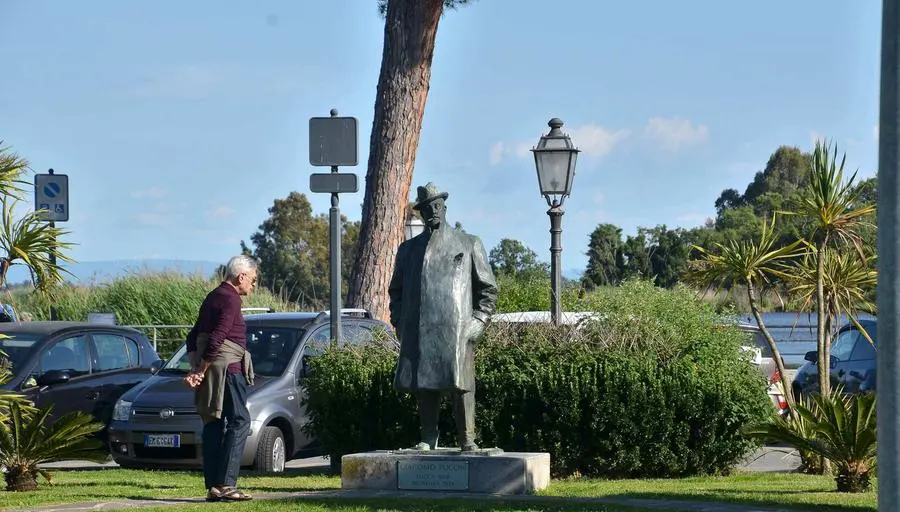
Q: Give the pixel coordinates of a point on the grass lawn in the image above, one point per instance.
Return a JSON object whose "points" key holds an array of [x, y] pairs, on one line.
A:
{"points": [[800, 492]]}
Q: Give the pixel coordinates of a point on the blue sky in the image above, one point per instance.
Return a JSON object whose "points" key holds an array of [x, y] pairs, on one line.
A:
{"points": [[179, 123]]}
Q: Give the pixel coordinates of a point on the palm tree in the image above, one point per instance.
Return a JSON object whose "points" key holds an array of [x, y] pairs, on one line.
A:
{"points": [[846, 283], [28, 240], [832, 206], [840, 428], [26, 441], [750, 263]]}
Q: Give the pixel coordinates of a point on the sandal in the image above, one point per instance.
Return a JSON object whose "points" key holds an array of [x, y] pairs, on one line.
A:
{"points": [[232, 494], [214, 494]]}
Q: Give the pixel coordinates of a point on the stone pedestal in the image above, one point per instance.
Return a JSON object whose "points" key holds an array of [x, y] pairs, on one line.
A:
{"points": [[489, 471]]}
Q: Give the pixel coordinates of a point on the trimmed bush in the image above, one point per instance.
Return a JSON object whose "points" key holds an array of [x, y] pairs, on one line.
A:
{"points": [[658, 388]]}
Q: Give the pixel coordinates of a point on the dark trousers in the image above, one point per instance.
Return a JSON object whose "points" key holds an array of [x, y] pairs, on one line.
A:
{"points": [[224, 438], [463, 412]]}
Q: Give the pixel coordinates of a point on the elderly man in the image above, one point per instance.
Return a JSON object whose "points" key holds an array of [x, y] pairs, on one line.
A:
{"points": [[221, 372], [441, 294]]}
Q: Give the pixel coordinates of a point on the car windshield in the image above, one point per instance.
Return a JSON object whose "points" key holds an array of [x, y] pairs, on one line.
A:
{"points": [[17, 348], [270, 347]]}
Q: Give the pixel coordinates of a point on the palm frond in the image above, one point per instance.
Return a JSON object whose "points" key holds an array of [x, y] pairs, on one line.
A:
{"points": [[847, 282], [27, 440], [30, 240], [839, 427], [12, 167], [831, 202], [745, 261]]}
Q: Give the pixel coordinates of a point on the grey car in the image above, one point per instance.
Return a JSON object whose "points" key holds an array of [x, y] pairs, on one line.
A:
{"points": [[155, 424]]}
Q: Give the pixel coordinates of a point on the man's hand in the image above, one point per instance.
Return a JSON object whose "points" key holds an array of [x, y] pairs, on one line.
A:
{"points": [[476, 328], [193, 380]]}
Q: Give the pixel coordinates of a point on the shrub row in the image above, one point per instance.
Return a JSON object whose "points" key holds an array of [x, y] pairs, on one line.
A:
{"points": [[657, 389]]}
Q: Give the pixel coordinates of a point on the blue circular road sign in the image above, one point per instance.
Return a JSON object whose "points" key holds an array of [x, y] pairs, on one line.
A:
{"points": [[51, 189]]}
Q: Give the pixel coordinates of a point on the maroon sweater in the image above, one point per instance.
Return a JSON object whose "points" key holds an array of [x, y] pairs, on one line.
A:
{"points": [[220, 316]]}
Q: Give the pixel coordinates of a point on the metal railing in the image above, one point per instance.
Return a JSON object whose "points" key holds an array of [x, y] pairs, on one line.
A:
{"points": [[153, 332]]}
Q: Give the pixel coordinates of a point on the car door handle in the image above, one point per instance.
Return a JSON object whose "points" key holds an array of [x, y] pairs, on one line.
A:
{"points": [[93, 395]]}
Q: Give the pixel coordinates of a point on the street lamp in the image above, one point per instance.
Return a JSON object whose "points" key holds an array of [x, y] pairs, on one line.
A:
{"points": [[414, 226], [554, 158]]}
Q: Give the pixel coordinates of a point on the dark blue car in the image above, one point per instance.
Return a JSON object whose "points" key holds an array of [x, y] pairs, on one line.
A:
{"points": [[852, 362]]}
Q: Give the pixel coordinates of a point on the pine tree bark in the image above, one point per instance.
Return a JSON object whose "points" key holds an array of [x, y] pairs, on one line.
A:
{"points": [[410, 29]]}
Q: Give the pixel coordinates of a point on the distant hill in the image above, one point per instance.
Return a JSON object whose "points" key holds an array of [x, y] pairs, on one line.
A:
{"points": [[87, 272]]}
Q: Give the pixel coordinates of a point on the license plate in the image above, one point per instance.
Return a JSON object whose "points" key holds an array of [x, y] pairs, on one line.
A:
{"points": [[162, 440]]}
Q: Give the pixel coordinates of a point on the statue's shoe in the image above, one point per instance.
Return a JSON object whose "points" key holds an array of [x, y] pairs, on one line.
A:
{"points": [[423, 447], [471, 447]]}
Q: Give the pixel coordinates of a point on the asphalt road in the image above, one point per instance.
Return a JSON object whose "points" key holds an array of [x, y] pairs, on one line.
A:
{"points": [[774, 459]]}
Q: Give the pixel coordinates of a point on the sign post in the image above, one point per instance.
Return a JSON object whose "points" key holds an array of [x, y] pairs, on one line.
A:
{"points": [[51, 201], [333, 142]]}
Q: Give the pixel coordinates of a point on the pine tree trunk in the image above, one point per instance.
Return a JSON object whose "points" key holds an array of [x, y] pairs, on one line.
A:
{"points": [[410, 29]]}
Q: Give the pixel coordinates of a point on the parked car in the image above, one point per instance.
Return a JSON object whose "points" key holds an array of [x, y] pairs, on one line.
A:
{"points": [[156, 424], [75, 366], [852, 362]]}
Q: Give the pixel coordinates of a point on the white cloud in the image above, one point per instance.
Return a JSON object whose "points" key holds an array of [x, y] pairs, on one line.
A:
{"points": [[152, 193], [592, 139], [496, 155], [220, 212], [875, 132], [523, 149], [597, 141], [674, 133]]}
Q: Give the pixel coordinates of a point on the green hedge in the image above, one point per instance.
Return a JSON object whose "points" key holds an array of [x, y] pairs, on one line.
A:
{"points": [[659, 389]]}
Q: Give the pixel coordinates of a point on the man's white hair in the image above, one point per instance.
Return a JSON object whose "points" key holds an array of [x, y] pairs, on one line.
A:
{"points": [[238, 265]]}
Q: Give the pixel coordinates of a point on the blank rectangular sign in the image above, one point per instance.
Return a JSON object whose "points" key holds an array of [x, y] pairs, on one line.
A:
{"points": [[333, 141], [333, 182]]}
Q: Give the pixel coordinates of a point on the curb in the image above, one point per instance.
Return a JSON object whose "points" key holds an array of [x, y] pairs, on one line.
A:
{"points": [[648, 503]]}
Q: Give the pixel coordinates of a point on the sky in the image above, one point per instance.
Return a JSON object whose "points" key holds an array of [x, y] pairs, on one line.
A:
{"points": [[179, 123]]}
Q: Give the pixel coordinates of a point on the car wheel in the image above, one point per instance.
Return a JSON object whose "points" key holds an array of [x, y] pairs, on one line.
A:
{"points": [[271, 453]]}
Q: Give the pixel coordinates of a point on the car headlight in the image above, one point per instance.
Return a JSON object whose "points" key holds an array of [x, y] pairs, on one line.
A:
{"points": [[122, 411]]}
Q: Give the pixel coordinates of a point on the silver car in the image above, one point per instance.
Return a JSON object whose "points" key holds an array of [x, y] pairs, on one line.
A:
{"points": [[155, 424]]}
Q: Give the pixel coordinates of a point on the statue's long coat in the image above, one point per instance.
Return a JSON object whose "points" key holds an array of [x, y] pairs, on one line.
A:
{"points": [[442, 283]]}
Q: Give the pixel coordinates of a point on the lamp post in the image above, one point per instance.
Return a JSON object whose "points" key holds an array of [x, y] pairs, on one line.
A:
{"points": [[413, 227], [554, 158]]}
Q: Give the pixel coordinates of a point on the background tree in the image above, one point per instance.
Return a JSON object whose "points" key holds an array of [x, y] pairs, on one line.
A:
{"points": [[668, 254], [410, 31], [636, 257], [512, 258], [606, 259], [292, 249]]}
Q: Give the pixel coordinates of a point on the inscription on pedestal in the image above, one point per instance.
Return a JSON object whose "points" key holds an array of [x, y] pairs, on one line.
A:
{"points": [[448, 475]]}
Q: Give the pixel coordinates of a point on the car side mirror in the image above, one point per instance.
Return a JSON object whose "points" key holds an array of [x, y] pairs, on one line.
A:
{"points": [[52, 377], [157, 366], [812, 356]]}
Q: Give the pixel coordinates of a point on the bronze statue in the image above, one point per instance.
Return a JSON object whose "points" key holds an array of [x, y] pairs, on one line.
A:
{"points": [[441, 295]]}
